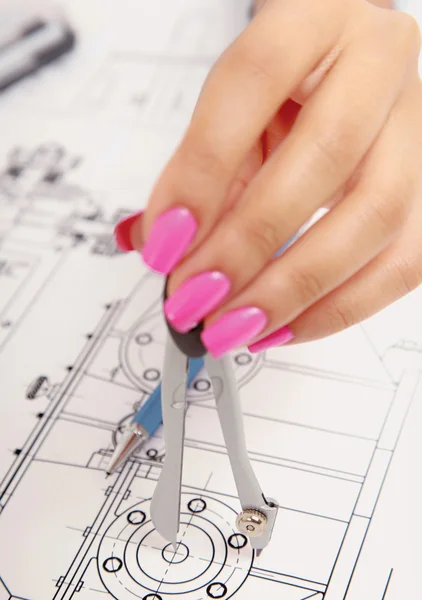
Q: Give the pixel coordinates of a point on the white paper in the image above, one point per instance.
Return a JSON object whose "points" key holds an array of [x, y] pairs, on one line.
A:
{"points": [[333, 427]]}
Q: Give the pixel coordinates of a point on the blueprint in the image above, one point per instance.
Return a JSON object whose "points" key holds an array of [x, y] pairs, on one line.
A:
{"points": [[333, 427]]}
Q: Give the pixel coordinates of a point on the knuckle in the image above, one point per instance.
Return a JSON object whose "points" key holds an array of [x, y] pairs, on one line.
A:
{"points": [[253, 62], [335, 149], [408, 274], [341, 316], [307, 285], [262, 234], [202, 159], [390, 209]]}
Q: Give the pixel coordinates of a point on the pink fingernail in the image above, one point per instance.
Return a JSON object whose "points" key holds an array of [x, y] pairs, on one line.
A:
{"points": [[196, 298], [169, 238], [233, 330], [122, 232], [278, 338]]}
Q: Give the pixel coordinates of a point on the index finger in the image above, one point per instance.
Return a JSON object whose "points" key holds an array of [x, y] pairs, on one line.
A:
{"points": [[244, 90]]}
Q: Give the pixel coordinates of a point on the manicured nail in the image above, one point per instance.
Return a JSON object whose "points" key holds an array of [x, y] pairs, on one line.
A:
{"points": [[278, 338], [122, 232], [233, 330], [169, 238], [195, 299]]}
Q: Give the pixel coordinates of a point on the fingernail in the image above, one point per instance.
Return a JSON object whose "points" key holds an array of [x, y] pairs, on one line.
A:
{"points": [[169, 238], [233, 330], [122, 232], [278, 338], [196, 298]]}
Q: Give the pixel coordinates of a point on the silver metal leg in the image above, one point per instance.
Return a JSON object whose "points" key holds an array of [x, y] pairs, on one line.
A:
{"points": [[165, 504], [258, 516], [258, 513], [227, 399]]}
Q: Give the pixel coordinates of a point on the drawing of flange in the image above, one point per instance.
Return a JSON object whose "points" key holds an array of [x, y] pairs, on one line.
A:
{"points": [[211, 561], [141, 357]]}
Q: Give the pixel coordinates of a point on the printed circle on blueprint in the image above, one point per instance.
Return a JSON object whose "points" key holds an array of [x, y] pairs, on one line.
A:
{"points": [[142, 343], [142, 354], [212, 560], [245, 367], [141, 350]]}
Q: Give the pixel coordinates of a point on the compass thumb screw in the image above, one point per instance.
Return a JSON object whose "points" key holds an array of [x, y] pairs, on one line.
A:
{"points": [[252, 523]]}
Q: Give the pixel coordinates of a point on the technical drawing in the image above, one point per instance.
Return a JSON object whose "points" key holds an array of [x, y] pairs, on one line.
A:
{"points": [[23, 274], [401, 356], [322, 421], [209, 556], [40, 204], [43, 215], [145, 88], [321, 442], [162, 87]]}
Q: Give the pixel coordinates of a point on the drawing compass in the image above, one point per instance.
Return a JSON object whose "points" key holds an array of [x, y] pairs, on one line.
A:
{"points": [[258, 515]]}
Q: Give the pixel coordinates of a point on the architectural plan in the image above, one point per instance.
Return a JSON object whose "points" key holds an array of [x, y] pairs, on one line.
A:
{"points": [[333, 428]]}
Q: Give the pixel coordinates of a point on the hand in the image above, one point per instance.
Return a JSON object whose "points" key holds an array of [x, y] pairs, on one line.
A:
{"points": [[317, 103]]}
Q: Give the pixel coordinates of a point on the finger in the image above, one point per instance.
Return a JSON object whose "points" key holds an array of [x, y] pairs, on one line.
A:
{"points": [[335, 248], [247, 171], [123, 229], [274, 134], [390, 276], [241, 95], [328, 140]]}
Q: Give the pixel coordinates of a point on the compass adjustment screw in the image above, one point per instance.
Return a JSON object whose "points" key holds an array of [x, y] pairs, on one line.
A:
{"points": [[251, 522]]}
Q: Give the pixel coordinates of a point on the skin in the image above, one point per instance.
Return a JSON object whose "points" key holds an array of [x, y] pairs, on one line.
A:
{"points": [[283, 127]]}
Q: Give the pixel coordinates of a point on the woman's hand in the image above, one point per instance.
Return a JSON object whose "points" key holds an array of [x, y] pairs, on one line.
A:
{"points": [[317, 103]]}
